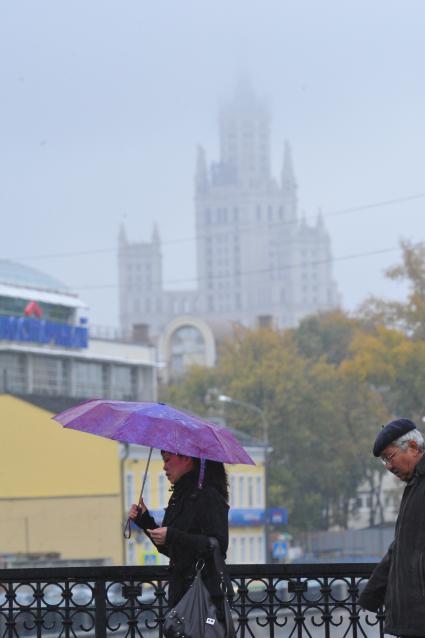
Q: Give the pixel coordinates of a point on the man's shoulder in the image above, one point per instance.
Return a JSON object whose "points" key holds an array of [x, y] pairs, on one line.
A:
{"points": [[420, 467]]}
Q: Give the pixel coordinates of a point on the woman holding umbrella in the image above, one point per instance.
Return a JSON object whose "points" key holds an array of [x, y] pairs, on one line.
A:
{"points": [[193, 514], [193, 451]]}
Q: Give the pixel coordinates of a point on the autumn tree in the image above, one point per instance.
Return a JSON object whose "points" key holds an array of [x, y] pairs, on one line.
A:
{"points": [[409, 315], [321, 421]]}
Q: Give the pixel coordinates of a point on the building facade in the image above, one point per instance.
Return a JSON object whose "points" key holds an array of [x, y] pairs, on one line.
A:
{"points": [[258, 260], [46, 347], [61, 491]]}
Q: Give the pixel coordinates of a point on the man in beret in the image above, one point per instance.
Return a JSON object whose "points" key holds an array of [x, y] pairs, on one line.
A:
{"points": [[398, 581]]}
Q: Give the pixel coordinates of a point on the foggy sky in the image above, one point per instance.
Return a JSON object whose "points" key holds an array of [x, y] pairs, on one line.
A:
{"points": [[103, 104]]}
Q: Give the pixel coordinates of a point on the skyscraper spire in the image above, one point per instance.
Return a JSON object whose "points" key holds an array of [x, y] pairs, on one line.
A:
{"points": [[156, 239], [244, 139], [288, 176], [122, 237], [201, 175], [289, 185]]}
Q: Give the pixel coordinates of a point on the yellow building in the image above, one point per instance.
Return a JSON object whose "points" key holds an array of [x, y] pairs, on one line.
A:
{"points": [[59, 489]]}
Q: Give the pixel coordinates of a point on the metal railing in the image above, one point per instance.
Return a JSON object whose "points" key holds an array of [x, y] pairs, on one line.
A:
{"points": [[273, 601]]}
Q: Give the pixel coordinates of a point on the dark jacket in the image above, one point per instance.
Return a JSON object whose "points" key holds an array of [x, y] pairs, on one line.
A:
{"points": [[399, 579], [191, 517]]}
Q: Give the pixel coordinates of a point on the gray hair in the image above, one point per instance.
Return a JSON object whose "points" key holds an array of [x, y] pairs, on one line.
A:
{"points": [[413, 435]]}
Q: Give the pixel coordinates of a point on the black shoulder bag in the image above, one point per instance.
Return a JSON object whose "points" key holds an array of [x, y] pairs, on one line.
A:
{"points": [[195, 615]]}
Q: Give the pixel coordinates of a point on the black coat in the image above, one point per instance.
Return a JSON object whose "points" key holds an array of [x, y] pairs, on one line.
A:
{"points": [[191, 517], [399, 579]]}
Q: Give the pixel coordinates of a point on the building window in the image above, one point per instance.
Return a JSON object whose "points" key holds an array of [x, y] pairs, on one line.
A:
{"points": [[121, 383], [129, 489], [234, 550], [131, 553], [89, 380], [162, 490], [187, 348], [259, 494], [260, 549], [232, 491], [146, 490], [13, 373], [50, 375], [250, 491], [251, 549], [243, 549], [241, 491]]}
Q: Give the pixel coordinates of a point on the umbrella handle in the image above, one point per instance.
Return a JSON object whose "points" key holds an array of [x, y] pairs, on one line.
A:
{"points": [[127, 529]]}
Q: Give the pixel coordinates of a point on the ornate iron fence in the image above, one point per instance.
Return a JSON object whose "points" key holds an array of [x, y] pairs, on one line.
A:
{"points": [[273, 601]]}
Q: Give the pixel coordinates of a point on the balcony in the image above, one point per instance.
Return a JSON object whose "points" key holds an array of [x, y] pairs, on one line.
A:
{"points": [[271, 601]]}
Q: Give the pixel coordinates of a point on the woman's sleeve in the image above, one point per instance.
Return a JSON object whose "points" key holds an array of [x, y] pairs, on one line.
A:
{"points": [[145, 521], [212, 519]]}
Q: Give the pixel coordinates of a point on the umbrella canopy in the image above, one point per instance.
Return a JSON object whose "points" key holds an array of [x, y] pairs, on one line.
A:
{"points": [[155, 425]]}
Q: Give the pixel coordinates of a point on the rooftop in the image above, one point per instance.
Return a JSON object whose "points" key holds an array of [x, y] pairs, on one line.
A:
{"points": [[15, 274]]}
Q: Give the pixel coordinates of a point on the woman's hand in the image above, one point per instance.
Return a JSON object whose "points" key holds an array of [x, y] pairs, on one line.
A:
{"points": [[137, 509], [158, 535]]}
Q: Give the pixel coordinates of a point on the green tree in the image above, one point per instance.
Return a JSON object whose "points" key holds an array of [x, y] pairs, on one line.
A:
{"points": [[326, 335], [316, 413], [409, 315]]}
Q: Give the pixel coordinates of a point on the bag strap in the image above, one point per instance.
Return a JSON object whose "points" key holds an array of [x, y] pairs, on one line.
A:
{"points": [[219, 563], [220, 567]]}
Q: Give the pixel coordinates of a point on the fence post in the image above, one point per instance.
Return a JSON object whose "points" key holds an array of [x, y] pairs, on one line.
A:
{"points": [[100, 608]]}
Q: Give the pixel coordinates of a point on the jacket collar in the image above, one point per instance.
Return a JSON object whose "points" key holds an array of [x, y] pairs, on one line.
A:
{"points": [[187, 481], [182, 490], [420, 466]]}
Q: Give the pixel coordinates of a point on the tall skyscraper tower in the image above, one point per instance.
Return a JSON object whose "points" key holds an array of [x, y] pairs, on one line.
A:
{"points": [[257, 260]]}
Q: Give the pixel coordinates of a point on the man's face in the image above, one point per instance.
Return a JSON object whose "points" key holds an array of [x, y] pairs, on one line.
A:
{"points": [[401, 462], [175, 465]]}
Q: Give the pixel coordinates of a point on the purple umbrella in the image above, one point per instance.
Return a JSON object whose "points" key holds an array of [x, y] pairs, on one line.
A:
{"points": [[155, 425]]}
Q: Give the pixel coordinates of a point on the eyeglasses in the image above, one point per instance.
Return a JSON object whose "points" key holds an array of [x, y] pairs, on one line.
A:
{"points": [[387, 460]]}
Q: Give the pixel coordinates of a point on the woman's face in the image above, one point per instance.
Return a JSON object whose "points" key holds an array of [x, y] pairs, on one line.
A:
{"points": [[175, 465]]}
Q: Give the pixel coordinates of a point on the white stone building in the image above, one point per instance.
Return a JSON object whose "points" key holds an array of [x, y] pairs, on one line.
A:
{"points": [[258, 261]]}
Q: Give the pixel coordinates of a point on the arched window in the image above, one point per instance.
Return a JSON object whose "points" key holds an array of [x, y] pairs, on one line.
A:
{"points": [[187, 348]]}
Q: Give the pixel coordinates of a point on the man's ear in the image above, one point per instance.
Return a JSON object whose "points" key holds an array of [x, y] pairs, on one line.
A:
{"points": [[413, 446]]}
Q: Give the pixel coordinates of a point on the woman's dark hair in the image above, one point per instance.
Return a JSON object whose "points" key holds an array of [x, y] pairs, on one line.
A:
{"points": [[215, 475]]}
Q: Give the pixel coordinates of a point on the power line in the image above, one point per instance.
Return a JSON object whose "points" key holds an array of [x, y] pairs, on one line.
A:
{"points": [[239, 229], [256, 272]]}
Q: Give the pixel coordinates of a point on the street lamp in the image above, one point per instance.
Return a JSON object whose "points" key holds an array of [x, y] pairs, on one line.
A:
{"points": [[223, 398]]}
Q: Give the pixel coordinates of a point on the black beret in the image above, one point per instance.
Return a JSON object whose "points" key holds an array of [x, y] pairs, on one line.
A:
{"points": [[390, 432]]}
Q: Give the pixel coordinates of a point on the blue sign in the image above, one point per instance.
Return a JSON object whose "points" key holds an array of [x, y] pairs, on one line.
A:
{"points": [[150, 559], [29, 329], [277, 515], [245, 517], [280, 549], [253, 516]]}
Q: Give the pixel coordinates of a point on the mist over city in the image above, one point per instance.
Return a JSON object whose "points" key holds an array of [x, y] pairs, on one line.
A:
{"points": [[212, 318], [103, 110]]}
